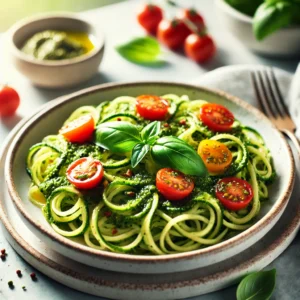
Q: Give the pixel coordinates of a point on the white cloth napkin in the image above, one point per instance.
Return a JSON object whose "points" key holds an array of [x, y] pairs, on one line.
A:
{"points": [[294, 99], [236, 80]]}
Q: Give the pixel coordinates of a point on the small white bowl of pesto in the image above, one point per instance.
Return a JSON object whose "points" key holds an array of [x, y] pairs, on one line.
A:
{"points": [[56, 51]]}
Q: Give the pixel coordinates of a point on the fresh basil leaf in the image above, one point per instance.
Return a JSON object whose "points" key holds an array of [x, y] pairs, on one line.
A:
{"points": [[144, 50], [138, 153], [247, 7], [257, 286], [272, 16], [150, 131], [117, 136], [172, 152]]}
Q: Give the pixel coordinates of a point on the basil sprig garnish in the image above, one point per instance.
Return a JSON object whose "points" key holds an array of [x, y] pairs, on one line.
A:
{"points": [[117, 136], [257, 286], [168, 151]]}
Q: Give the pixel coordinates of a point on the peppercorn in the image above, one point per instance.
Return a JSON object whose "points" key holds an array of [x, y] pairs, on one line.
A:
{"points": [[11, 284], [128, 173], [33, 276], [130, 194], [19, 273]]}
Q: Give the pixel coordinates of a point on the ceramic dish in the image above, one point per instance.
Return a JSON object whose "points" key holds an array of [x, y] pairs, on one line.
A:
{"points": [[284, 42], [55, 74], [130, 286], [49, 120]]}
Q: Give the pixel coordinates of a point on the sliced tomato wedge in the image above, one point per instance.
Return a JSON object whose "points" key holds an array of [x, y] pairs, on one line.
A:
{"points": [[216, 117], [85, 173], [215, 155], [79, 130], [152, 107], [173, 185], [234, 193]]}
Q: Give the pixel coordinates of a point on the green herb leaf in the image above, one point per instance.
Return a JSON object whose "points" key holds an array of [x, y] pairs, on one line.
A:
{"points": [[271, 16], [144, 50], [172, 152], [117, 136], [138, 153], [150, 131], [247, 7], [257, 286]]}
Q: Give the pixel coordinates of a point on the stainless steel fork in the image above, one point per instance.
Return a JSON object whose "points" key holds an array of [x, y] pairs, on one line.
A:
{"points": [[272, 104]]}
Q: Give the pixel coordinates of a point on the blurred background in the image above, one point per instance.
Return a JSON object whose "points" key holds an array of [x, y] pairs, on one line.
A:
{"points": [[14, 10]]}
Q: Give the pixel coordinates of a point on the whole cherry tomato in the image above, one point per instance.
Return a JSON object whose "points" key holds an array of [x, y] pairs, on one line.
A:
{"points": [[9, 101], [172, 33], [149, 17], [192, 15], [199, 48]]}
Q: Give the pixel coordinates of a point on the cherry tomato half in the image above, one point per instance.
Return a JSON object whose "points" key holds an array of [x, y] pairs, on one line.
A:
{"points": [[173, 185], [149, 17], [215, 155], [172, 33], [234, 193], [216, 117], [199, 48], [192, 15], [85, 173], [9, 101], [80, 130], [152, 107]]}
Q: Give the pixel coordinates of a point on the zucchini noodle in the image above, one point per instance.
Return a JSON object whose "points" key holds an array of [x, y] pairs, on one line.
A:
{"points": [[125, 213]]}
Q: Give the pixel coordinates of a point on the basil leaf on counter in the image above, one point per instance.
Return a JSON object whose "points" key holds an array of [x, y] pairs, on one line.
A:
{"points": [[117, 136], [138, 153], [144, 50], [271, 16], [150, 131], [172, 152], [257, 286]]}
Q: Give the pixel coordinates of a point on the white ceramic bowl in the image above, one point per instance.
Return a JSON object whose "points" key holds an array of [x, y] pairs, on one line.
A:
{"points": [[55, 74], [283, 43], [49, 120]]}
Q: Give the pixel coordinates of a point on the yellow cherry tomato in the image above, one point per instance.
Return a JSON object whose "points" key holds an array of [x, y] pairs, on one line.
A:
{"points": [[215, 155]]}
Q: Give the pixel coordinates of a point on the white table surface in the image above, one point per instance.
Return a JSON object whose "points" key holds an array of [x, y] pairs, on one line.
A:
{"points": [[119, 25]]}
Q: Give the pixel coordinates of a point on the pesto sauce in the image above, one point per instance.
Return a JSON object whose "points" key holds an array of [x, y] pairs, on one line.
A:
{"points": [[57, 45]]}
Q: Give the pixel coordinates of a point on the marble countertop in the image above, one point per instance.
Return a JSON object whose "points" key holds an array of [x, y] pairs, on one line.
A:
{"points": [[113, 69]]}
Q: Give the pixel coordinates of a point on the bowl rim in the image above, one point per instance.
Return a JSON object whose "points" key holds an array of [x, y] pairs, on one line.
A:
{"points": [[98, 45], [274, 211], [243, 17]]}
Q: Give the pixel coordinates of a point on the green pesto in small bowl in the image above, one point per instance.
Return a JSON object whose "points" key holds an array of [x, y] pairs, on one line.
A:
{"points": [[58, 45]]}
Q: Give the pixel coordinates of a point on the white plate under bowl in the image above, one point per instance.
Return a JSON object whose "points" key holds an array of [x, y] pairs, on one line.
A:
{"points": [[50, 119], [149, 286]]}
